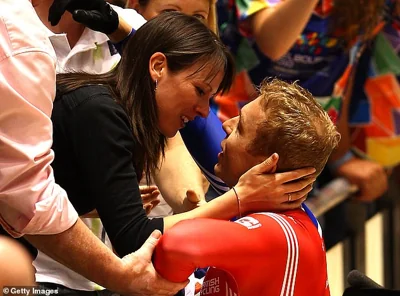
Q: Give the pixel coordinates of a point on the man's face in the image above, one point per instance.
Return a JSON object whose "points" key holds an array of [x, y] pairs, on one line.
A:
{"points": [[235, 160]]}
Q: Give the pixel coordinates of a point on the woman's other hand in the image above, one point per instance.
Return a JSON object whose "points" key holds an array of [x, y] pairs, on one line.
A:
{"points": [[150, 197]]}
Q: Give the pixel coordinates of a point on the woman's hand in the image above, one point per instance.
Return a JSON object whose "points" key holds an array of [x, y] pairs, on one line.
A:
{"points": [[262, 189], [150, 197]]}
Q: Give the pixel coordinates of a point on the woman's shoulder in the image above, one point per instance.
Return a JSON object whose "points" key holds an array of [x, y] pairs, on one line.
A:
{"points": [[89, 94], [91, 102]]}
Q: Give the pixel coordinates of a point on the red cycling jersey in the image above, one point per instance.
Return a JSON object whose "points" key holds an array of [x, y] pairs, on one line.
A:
{"points": [[260, 254]]}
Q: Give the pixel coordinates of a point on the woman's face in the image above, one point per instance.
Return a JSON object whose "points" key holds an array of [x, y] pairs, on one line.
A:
{"points": [[196, 8], [183, 95]]}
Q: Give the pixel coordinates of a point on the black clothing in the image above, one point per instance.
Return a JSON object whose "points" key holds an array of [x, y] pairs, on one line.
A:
{"points": [[93, 145]]}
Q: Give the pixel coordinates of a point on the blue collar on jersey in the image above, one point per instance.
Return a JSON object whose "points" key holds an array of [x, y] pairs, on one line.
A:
{"points": [[312, 218]]}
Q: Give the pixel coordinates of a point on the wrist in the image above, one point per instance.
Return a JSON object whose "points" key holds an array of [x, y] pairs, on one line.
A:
{"points": [[238, 203], [122, 277], [115, 276], [240, 200], [121, 33], [229, 205]]}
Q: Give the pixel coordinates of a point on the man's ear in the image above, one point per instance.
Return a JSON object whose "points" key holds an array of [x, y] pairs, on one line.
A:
{"points": [[157, 63]]}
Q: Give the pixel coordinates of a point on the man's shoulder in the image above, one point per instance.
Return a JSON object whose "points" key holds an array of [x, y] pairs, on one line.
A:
{"points": [[296, 221], [292, 215], [21, 31]]}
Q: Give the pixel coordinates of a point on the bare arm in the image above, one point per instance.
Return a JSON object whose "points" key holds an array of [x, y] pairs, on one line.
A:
{"points": [[276, 28], [84, 253], [78, 249], [257, 191], [124, 29], [178, 174]]}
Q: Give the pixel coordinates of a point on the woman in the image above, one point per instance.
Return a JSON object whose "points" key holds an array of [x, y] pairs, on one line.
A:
{"points": [[109, 128], [204, 10], [202, 137]]}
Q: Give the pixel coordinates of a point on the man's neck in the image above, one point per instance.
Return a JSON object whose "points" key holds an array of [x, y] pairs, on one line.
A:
{"points": [[66, 25]]}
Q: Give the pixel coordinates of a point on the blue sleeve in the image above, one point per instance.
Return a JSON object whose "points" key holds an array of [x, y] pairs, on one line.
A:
{"points": [[120, 45], [202, 138]]}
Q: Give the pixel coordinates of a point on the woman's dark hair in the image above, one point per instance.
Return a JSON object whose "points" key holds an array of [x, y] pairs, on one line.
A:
{"points": [[357, 18], [184, 41]]}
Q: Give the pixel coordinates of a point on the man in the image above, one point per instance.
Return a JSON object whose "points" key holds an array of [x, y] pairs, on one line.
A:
{"points": [[262, 253], [310, 48], [31, 203]]}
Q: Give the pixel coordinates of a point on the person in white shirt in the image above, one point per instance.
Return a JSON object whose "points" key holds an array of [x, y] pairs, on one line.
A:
{"points": [[31, 203], [79, 48]]}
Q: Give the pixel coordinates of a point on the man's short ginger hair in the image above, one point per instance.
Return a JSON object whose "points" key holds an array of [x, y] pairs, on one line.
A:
{"points": [[295, 126]]}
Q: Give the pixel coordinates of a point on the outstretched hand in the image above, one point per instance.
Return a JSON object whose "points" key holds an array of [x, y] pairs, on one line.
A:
{"points": [[141, 272], [260, 188], [97, 15]]}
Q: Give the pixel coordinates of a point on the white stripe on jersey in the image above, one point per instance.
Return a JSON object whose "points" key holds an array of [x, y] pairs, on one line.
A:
{"points": [[292, 262], [295, 264], [214, 180]]}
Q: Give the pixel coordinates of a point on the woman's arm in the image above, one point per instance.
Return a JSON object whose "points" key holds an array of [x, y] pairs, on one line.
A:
{"points": [[256, 191], [179, 173], [277, 27]]}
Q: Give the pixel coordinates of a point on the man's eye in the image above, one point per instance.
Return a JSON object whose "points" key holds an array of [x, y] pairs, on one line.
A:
{"points": [[169, 10]]}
